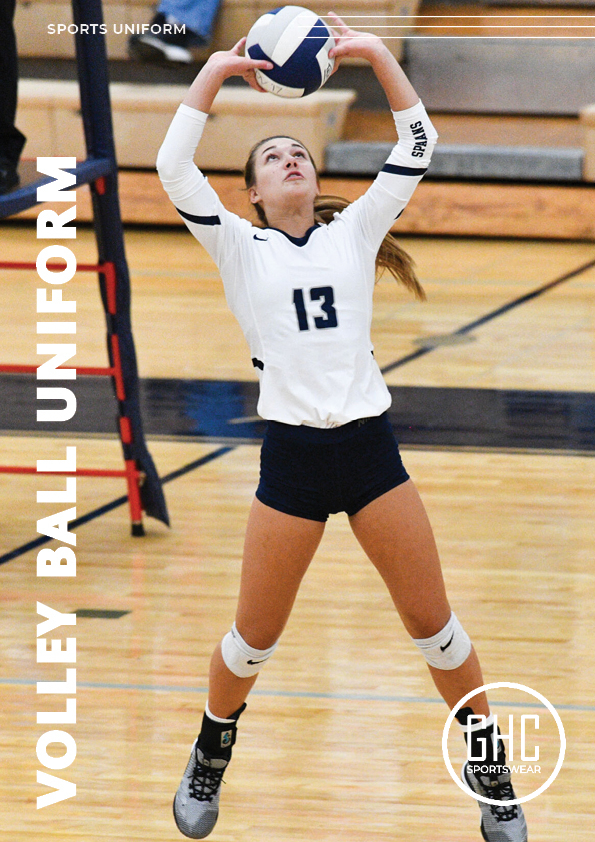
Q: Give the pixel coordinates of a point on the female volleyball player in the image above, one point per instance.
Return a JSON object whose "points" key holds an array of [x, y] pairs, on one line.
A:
{"points": [[301, 289]]}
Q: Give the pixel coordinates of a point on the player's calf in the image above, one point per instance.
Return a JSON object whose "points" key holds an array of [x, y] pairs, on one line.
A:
{"points": [[196, 803]]}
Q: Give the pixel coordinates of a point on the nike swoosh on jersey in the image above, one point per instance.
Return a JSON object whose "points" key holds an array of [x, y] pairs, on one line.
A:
{"points": [[261, 239]]}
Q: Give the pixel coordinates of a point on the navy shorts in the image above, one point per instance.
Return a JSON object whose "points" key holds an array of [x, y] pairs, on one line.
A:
{"points": [[311, 472]]}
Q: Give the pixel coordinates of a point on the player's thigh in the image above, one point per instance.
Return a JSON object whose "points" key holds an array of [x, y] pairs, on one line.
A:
{"points": [[278, 549], [395, 533]]}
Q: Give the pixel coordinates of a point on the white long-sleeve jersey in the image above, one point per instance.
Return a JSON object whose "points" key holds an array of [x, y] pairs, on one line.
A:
{"points": [[304, 305]]}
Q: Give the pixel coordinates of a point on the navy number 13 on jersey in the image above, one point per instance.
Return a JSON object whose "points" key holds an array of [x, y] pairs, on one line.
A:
{"points": [[316, 293]]}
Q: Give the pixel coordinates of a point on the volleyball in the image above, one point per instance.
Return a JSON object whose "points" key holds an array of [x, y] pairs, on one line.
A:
{"points": [[297, 42]]}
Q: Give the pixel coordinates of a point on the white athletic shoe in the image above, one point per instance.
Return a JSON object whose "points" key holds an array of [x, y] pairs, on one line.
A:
{"points": [[498, 823], [153, 48], [163, 47], [196, 803]]}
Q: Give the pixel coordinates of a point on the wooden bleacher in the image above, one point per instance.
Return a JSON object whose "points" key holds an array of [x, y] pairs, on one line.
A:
{"points": [[48, 114]]}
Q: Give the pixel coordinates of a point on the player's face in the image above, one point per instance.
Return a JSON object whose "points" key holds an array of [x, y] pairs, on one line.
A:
{"points": [[284, 174]]}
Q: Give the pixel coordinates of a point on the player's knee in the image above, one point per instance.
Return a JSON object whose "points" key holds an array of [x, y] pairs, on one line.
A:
{"points": [[449, 648], [240, 658]]}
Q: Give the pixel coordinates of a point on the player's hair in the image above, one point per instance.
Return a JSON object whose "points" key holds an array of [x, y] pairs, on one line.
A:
{"points": [[390, 255]]}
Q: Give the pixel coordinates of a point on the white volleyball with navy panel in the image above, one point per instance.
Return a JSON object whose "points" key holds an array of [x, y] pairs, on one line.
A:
{"points": [[297, 42]]}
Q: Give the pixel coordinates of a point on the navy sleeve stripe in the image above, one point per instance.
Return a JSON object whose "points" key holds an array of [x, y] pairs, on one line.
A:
{"points": [[398, 170], [200, 220]]}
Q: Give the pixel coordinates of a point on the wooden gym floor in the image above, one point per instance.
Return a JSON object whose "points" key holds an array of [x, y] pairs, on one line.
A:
{"points": [[341, 738]]}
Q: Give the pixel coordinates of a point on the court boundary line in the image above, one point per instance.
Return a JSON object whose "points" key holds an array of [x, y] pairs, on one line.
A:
{"points": [[289, 694], [493, 314], [114, 504]]}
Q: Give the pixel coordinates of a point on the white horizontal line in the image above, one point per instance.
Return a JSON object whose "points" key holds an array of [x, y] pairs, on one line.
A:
{"points": [[477, 17], [410, 37], [470, 26]]}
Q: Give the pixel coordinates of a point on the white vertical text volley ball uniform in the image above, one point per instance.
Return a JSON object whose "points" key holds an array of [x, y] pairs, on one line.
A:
{"points": [[304, 304]]}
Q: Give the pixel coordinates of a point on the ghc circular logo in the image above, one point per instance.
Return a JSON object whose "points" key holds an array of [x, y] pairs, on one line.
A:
{"points": [[544, 702]]}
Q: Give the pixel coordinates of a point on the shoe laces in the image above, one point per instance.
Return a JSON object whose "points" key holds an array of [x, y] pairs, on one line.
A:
{"points": [[205, 782], [502, 791]]}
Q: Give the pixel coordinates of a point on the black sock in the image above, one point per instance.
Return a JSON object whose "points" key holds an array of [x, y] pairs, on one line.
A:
{"points": [[217, 738], [475, 738]]}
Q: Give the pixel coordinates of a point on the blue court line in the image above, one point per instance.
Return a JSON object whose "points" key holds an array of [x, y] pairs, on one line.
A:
{"points": [[114, 504], [293, 694], [529, 296]]}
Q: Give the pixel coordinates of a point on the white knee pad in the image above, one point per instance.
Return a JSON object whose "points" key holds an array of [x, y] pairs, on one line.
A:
{"points": [[448, 649], [241, 659]]}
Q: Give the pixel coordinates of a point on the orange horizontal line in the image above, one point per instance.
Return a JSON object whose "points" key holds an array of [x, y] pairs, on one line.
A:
{"points": [[83, 472]]}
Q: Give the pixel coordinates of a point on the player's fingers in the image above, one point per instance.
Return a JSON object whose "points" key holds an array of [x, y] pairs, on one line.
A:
{"points": [[344, 37], [336, 66], [250, 64], [340, 50], [340, 24], [250, 77], [254, 84], [237, 47]]}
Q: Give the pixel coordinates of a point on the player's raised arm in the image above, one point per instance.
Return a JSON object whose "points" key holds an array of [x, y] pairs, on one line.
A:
{"points": [[175, 158], [375, 212], [220, 66], [417, 135], [178, 148], [194, 199]]}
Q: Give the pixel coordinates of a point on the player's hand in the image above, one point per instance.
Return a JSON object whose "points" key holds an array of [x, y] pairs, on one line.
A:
{"points": [[350, 43], [234, 63]]}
